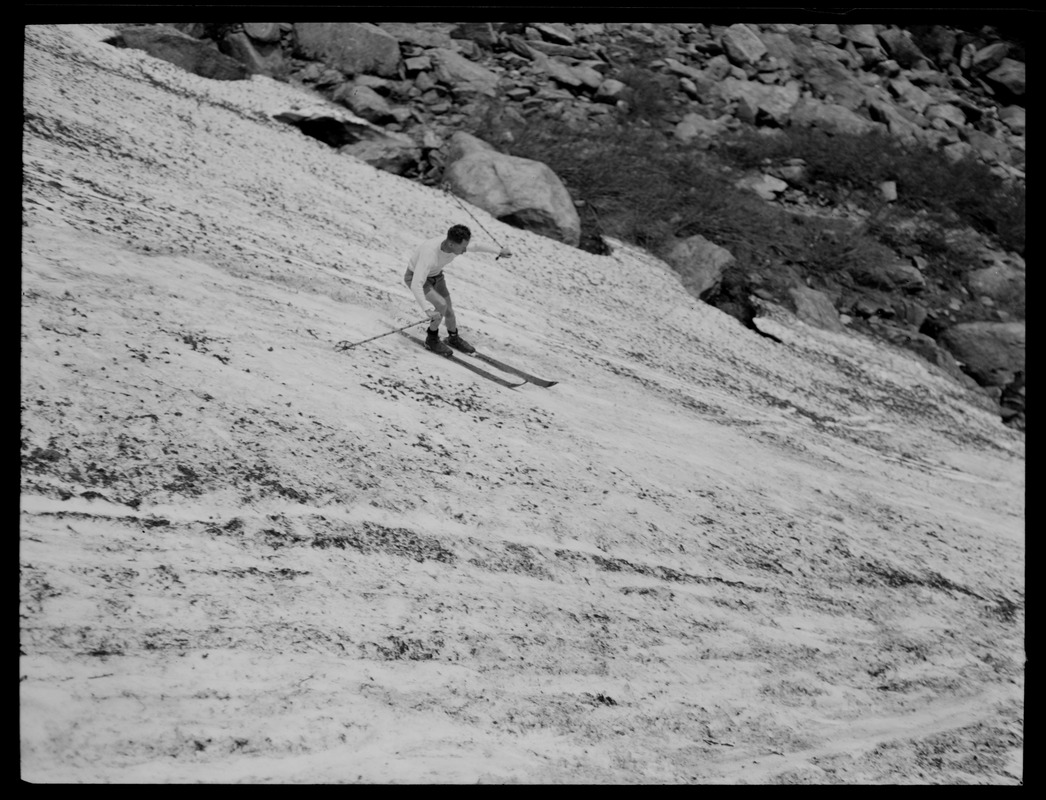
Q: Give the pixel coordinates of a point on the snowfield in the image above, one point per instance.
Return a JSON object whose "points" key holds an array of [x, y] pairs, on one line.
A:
{"points": [[702, 557]]}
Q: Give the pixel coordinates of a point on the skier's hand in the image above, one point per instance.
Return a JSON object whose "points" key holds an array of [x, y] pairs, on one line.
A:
{"points": [[505, 253], [433, 314]]}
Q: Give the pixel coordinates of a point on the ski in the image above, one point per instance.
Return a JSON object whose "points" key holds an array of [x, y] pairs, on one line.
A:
{"points": [[526, 376], [478, 370]]}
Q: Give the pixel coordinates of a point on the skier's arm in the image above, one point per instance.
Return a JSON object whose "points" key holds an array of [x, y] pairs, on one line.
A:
{"points": [[481, 247], [417, 286], [423, 261]]}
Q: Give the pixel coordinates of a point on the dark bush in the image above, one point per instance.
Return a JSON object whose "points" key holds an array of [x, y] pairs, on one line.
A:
{"points": [[851, 167]]}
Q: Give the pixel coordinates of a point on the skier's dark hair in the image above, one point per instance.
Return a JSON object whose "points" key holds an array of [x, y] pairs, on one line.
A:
{"points": [[459, 234]]}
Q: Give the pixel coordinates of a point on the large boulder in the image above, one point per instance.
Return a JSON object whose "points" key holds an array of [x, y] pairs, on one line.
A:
{"points": [[992, 352], [461, 144], [351, 47], [699, 263], [519, 191], [193, 55]]}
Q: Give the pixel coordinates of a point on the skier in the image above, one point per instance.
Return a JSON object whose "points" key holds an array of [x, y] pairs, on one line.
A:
{"points": [[424, 277]]}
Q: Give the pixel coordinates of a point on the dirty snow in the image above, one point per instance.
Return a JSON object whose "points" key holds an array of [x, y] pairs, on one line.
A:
{"points": [[701, 557]]}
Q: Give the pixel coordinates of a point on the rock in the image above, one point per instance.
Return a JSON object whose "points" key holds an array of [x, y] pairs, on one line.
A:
{"points": [[828, 33], [1009, 77], [958, 151], [1013, 118], [863, 35], [331, 125], [811, 113], [482, 33], [950, 114], [900, 46], [889, 276], [365, 102], [829, 80], [352, 47], [815, 308], [871, 57], [910, 95], [519, 191], [909, 313], [520, 47], [461, 144], [888, 191], [900, 123], [690, 88], [988, 58], [742, 45], [554, 32], [699, 263], [462, 75], [393, 152], [986, 146], [1000, 282], [269, 32], [610, 91], [260, 57], [766, 186], [876, 305], [416, 64], [566, 51], [590, 77], [719, 67], [420, 34], [192, 55], [925, 347], [940, 45], [794, 171], [560, 72], [992, 352], [679, 68], [761, 102], [694, 126]]}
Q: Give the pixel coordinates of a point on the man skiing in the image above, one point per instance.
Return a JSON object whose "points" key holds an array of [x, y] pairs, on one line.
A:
{"points": [[424, 277]]}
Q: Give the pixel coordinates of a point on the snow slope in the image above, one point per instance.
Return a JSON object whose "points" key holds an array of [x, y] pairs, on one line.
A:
{"points": [[702, 557]]}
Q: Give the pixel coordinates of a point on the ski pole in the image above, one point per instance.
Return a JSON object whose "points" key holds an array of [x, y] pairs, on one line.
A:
{"points": [[446, 188], [348, 346]]}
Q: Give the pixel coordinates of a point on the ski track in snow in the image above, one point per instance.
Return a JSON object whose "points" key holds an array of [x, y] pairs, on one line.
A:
{"points": [[246, 557]]}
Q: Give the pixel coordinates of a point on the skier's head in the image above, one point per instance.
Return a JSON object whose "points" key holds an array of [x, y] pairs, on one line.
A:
{"points": [[459, 234], [458, 238]]}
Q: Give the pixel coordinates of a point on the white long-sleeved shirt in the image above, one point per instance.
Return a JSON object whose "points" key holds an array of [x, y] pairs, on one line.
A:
{"points": [[428, 260]]}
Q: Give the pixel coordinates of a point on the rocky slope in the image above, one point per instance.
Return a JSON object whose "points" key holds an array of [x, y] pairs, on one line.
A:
{"points": [[702, 557]]}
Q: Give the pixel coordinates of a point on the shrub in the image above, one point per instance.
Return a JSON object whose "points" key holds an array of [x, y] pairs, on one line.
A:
{"points": [[850, 166], [649, 94]]}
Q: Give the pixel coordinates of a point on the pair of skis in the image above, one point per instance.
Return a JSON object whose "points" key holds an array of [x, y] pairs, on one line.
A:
{"points": [[465, 359]]}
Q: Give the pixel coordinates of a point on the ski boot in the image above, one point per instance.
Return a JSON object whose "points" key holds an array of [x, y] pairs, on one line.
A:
{"points": [[433, 343], [458, 343]]}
